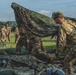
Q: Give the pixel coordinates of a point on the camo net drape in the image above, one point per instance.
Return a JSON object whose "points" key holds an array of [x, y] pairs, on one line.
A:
{"points": [[34, 22]]}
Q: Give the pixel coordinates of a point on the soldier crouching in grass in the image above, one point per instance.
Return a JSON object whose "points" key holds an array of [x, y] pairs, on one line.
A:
{"points": [[66, 38], [36, 48]]}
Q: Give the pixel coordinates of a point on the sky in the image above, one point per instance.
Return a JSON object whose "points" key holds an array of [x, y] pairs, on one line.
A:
{"points": [[46, 7]]}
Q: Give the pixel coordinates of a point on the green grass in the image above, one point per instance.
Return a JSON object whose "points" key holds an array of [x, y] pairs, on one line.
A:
{"points": [[11, 44], [46, 38], [49, 45]]}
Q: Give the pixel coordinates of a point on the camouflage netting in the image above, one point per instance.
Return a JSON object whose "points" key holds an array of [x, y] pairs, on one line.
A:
{"points": [[40, 25], [34, 22], [37, 24], [12, 64]]}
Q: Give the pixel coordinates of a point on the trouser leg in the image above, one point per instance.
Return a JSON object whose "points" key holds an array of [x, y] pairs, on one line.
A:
{"points": [[19, 45], [46, 57], [69, 61]]}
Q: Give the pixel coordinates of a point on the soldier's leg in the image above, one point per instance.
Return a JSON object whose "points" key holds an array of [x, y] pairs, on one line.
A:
{"points": [[46, 57], [41, 54], [42, 47], [3, 39], [16, 38], [69, 65], [19, 45], [26, 42], [8, 37], [30, 47], [69, 61]]}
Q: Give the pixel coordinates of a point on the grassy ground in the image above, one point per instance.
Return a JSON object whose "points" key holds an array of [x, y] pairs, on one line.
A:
{"points": [[47, 43], [10, 45]]}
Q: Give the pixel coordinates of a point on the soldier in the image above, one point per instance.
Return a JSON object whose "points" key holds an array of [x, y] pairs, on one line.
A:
{"points": [[66, 38], [8, 31], [16, 34], [36, 48], [3, 35], [22, 41]]}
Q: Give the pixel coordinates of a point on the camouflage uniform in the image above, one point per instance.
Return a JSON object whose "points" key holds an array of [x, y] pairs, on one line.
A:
{"points": [[23, 40], [66, 39], [3, 35], [36, 48], [70, 29], [16, 34], [8, 32]]}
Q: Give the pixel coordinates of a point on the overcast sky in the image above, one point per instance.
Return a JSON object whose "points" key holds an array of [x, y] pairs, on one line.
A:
{"points": [[46, 7]]}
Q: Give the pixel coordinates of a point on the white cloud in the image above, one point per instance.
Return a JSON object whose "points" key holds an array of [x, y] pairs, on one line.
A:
{"points": [[45, 12]]}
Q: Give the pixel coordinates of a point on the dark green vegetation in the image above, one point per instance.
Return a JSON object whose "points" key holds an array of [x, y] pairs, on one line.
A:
{"points": [[13, 24], [10, 23]]}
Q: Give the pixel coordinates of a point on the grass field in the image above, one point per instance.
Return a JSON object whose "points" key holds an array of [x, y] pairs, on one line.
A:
{"points": [[47, 43]]}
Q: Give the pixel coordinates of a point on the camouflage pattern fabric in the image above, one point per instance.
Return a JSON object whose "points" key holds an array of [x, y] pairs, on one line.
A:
{"points": [[38, 24], [16, 34], [3, 35], [61, 40], [36, 48], [69, 60], [8, 28], [67, 38], [7, 72], [41, 26], [66, 35], [22, 41]]}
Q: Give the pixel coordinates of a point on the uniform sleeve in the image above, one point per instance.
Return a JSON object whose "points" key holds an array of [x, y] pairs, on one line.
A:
{"points": [[61, 40]]}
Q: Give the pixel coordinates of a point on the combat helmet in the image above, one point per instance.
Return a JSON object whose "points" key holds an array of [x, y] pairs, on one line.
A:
{"points": [[57, 14]]}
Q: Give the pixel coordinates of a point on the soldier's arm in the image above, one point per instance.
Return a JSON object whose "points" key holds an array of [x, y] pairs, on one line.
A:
{"points": [[61, 41]]}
